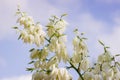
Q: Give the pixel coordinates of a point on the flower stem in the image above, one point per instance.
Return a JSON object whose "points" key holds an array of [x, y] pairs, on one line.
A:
{"points": [[76, 70]]}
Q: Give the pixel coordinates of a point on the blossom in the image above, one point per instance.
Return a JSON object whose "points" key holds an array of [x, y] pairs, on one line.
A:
{"points": [[32, 32], [56, 26], [39, 76], [98, 77], [80, 50], [84, 64], [34, 54], [88, 76], [116, 76], [57, 45], [60, 74]]}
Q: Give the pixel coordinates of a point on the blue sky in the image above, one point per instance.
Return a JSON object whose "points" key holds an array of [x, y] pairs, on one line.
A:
{"points": [[99, 19]]}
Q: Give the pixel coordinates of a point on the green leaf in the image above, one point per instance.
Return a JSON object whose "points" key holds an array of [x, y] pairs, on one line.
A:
{"points": [[30, 69], [15, 27], [68, 67], [31, 49], [75, 30], [19, 36], [31, 62], [84, 38], [117, 55], [37, 22], [82, 33], [63, 15], [101, 43], [107, 47]]}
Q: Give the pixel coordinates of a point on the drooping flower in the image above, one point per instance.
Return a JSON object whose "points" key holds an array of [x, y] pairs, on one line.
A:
{"points": [[60, 74], [80, 50], [31, 32], [84, 64], [39, 76]]}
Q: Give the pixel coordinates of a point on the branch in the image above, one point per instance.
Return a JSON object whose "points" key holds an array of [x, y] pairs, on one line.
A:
{"points": [[76, 70]]}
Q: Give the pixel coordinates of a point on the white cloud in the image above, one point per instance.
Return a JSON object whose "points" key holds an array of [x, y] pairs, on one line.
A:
{"points": [[109, 1], [23, 77], [89, 23]]}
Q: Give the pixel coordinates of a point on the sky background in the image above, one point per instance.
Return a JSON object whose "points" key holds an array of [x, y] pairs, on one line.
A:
{"points": [[99, 19]]}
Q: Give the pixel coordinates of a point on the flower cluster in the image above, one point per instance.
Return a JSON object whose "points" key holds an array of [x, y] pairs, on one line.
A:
{"points": [[31, 32], [56, 74], [80, 56], [52, 51], [106, 68], [55, 30]]}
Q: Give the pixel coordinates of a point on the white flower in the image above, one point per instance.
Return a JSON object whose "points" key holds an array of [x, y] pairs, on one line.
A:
{"points": [[44, 53], [80, 46], [32, 33], [62, 53], [53, 46], [63, 74], [37, 64], [58, 26], [101, 58], [117, 76], [106, 57], [34, 54], [60, 74], [76, 57], [105, 66], [50, 29], [21, 20], [51, 63], [88, 76], [84, 64], [26, 21], [96, 70], [80, 50], [39, 76], [110, 73], [61, 26], [98, 77]]}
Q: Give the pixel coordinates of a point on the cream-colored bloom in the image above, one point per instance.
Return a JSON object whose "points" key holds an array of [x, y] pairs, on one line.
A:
{"points": [[105, 66], [96, 69], [61, 26], [39, 76], [84, 64], [116, 76], [88, 76], [62, 53], [31, 33], [34, 54], [37, 64], [106, 57], [98, 77], [80, 46], [80, 50], [110, 73], [60, 74], [26, 21], [57, 45], [76, 57]]}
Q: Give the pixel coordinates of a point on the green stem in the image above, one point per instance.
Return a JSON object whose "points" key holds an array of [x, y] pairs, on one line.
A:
{"points": [[76, 70]]}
